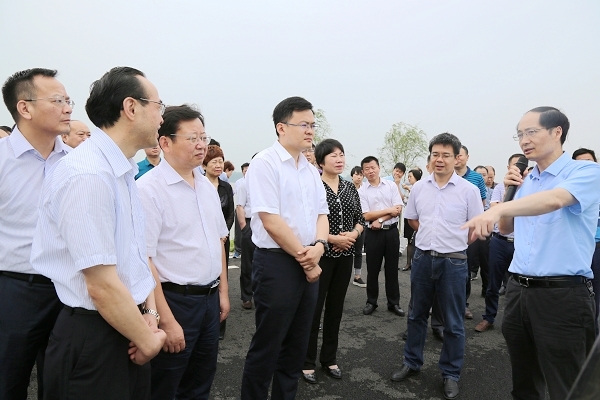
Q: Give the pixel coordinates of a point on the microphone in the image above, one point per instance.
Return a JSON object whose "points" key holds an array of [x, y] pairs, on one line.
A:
{"points": [[511, 190]]}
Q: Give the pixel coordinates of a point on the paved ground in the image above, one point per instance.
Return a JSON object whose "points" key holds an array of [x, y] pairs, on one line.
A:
{"points": [[370, 349]]}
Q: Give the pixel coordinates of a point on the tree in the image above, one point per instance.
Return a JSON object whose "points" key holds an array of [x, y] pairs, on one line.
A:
{"points": [[403, 143], [324, 129]]}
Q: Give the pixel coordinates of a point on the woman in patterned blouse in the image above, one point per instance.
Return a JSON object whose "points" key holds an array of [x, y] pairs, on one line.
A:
{"points": [[346, 223]]}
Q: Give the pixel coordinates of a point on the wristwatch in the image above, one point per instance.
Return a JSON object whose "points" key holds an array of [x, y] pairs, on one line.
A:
{"points": [[152, 312], [380, 220], [323, 242]]}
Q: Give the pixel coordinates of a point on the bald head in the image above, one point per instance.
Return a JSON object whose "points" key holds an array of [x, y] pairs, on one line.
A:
{"points": [[78, 134]]}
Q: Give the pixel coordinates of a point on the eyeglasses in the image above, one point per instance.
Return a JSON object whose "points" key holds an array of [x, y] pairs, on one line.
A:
{"points": [[445, 156], [60, 101], [194, 138], [304, 126], [528, 132], [162, 105]]}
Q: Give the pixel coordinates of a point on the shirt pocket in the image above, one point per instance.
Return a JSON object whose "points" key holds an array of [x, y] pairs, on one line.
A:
{"points": [[550, 218], [455, 213]]}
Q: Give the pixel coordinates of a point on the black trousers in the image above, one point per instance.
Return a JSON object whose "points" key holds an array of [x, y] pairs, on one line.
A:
{"points": [[549, 333], [27, 314], [223, 324], [380, 245], [285, 305], [87, 359], [237, 235], [246, 267], [333, 285], [189, 374]]}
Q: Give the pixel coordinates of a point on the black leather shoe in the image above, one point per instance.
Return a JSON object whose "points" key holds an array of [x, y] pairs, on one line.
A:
{"points": [[438, 334], [397, 310], [369, 308], [403, 373], [450, 389], [335, 373], [310, 378]]}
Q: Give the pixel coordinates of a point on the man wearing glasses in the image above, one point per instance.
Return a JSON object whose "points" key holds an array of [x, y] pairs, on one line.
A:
{"points": [[184, 233], [41, 108], [90, 241], [290, 230], [548, 323]]}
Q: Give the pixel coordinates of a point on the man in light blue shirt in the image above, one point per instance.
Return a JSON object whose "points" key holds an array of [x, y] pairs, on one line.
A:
{"points": [[549, 322], [41, 108]]}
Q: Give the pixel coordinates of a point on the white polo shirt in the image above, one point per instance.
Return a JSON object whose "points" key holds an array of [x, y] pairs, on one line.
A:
{"points": [[278, 187], [184, 226], [380, 197]]}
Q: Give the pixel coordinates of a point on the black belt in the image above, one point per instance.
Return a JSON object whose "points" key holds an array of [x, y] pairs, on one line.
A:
{"points": [[549, 281], [278, 250], [433, 253], [502, 237], [31, 278], [192, 290], [85, 311], [385, 227]]}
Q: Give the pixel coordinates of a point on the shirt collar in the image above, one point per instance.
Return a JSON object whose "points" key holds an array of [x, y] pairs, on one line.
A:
{"points": [[171, 176], [284, 155], [554, 168], [114, 155], [453, 179], [467, 173], [21, 145]]}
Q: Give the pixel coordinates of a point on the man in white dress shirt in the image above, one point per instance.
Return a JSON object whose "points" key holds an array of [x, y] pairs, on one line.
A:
{"points": [[184, 232], [381, 205], [290, 230], [41, 108], [90, 241]]}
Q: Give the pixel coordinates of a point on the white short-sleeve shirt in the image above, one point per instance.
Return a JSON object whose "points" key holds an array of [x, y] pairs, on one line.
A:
{"points": [[276, 186]]}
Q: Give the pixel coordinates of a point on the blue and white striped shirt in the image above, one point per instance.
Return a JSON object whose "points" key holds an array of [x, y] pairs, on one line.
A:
{"points": [[22, 172], [90, 214]]}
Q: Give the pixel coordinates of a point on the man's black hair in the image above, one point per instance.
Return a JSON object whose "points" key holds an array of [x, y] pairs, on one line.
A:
{"points": [[447, 139], [582, 151], [417, 173], [481, 166], [551, 117], [19, 86], [401, 167], [368, 159], [107, 94], [516, 155], [356, 170], [173, 117], [285, 109], [245, 165]]}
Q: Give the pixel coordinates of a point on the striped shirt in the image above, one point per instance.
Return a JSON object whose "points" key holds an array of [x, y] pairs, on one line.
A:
{"points": [[477, 180], [90, 214], [184, 226], [22, 172]]}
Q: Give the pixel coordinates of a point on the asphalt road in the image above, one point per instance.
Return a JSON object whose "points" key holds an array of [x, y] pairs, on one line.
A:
{"points": [[370, 348]]}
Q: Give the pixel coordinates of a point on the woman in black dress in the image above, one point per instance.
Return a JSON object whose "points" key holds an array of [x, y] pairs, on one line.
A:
{"points": [[346, 223]]}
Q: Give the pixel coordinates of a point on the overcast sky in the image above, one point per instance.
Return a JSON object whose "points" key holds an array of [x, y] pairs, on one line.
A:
{"points": [[471, 68]]}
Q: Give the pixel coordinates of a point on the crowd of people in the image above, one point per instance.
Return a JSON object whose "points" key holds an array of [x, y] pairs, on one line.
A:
{"points": [[114, 277]]}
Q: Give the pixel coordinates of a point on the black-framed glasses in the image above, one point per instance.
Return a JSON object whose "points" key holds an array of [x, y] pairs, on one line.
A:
{"points": [[60, 101], [162, 105], [304, 125]]}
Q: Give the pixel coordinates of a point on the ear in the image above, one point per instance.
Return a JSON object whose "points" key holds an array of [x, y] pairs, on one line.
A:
{"points": [[129, 108], [280, 128], [558, 132], [23, 109], [164, 144]]}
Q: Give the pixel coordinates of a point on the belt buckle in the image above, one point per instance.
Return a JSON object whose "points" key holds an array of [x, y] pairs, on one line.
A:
{"points": [[523, 281], [385, 227], [433, 253]]}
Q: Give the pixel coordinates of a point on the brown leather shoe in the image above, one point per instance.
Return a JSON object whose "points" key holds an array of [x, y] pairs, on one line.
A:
{"points": [[484, 326]]}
